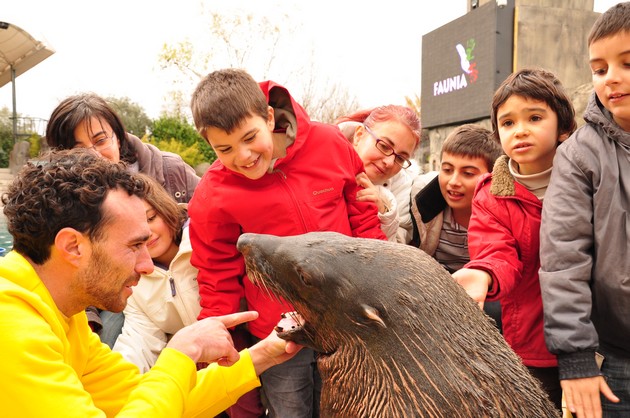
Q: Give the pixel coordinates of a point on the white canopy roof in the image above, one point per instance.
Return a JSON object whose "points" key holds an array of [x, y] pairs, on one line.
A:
{"points": [[20, 51]]}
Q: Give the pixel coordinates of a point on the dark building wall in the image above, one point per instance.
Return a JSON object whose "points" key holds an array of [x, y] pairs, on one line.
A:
{"points": [[547, 33]]}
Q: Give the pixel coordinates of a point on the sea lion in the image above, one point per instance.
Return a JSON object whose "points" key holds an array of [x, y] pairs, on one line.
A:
{"points": [[396, 335]]}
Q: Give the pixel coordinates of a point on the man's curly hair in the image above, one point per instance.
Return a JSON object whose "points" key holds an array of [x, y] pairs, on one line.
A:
{"points": [[65, 188]]}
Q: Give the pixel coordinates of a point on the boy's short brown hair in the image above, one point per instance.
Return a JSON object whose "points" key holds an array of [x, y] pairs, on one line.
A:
{"points": [[223, 98], [614, 20], [473, 141], [536, 84]]}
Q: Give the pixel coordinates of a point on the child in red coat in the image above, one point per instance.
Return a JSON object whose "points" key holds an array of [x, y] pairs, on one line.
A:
{"points": [[531, 114]]}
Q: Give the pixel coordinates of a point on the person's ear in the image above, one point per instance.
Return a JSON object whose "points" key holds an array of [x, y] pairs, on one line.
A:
{"points": [[71, 245], [359, 133], [563, 137], [271, 121]]}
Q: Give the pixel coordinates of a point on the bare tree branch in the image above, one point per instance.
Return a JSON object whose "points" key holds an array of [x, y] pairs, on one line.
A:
{"points": [[255, 43]]}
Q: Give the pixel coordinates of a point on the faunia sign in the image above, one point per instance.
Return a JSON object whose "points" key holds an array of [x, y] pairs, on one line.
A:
{"points": [[463, 62]]}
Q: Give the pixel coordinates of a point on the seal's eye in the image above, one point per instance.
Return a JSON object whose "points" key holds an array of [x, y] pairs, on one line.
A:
{"points": [[304, 278]]}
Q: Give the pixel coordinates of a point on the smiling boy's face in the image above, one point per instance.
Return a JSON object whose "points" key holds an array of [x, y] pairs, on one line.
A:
{"points": [[249, 149], [458, 178], [609, 58]]}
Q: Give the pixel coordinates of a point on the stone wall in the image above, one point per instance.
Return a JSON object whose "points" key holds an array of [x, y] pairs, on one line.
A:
{"points": [[20, 154], [566, 4]]}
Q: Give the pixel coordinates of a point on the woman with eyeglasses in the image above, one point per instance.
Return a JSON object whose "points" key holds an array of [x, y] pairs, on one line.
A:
{"points": [[87, 121], [386, 139]]}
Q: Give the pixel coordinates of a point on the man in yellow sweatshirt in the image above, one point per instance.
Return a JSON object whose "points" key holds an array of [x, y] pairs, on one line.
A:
{"points": [[79, 236]]}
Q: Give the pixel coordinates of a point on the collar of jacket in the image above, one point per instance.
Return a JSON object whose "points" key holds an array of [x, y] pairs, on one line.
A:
{"points": [[502, 180], [598, 115], [430, 201]]}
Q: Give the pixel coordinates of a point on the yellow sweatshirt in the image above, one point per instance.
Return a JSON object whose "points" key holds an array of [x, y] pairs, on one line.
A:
{"points": [[54, 366]]}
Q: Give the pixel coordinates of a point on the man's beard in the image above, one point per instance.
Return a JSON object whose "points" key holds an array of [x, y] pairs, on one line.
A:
{"points": [[102, 281]]}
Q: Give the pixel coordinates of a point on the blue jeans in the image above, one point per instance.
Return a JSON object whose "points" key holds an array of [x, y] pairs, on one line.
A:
{"points": [[112, 326], [616, 371], [292, 389]]}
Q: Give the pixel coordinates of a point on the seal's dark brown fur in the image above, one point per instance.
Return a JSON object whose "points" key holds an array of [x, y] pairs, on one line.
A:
{"points": [[397, 336]]}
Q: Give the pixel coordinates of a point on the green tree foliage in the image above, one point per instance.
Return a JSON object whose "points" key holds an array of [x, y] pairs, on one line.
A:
{"points": [[414, 103], [132, 115], [175, 134], [190, 154], [6, 137], [25, 132]]}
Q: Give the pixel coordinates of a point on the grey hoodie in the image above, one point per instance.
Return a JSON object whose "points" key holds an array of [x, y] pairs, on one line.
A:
{"points": [[585, 267]]}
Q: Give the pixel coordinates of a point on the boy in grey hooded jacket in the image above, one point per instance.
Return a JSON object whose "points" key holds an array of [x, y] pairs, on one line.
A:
{"points": [[585, 268]]}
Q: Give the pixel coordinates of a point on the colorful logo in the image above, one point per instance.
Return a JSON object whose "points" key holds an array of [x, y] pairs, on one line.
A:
{"points": [[468, 66]]}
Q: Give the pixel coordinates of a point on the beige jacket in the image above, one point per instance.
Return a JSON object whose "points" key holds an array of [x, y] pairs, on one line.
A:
{"points": [[162, 303]]}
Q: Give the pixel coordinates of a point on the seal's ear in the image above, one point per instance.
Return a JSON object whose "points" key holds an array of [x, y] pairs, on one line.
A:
{"points": [[372, 314]]}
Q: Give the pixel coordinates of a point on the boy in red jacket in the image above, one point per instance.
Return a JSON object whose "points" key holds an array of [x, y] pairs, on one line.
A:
{"points": [[277, 173], [531, 115]]}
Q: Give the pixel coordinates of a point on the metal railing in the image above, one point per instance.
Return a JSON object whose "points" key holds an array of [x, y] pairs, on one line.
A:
{"points": [[27, 125]]}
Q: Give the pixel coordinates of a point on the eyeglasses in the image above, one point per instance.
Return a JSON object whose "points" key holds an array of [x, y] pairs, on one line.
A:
{"points": [[387, 150], [103, 143]]}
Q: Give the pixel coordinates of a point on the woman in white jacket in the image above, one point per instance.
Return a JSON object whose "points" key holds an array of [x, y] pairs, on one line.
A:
{"points": [[166, 300], [386, 139]]}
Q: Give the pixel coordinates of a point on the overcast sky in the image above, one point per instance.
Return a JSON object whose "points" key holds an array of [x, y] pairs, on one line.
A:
{"points": [[112, 47]]}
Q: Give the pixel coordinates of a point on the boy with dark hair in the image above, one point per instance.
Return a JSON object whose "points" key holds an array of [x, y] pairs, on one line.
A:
{"points": [[585, 268], [441, 202], [531, 115], [277, 173]]}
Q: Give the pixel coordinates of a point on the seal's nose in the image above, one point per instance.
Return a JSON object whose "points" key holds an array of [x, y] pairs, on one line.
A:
{"points": [[244, 242], [258, 245]]}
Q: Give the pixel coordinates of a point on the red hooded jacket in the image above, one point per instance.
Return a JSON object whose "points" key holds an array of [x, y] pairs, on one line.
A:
{"points": [[504, 240], [312, 188]]}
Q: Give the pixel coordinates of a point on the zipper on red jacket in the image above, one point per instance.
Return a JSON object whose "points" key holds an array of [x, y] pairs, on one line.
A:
{"points": [[283, 177]]}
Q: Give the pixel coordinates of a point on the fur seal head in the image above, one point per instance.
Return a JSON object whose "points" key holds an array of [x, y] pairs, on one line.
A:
{"points": [[396, 335]]}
